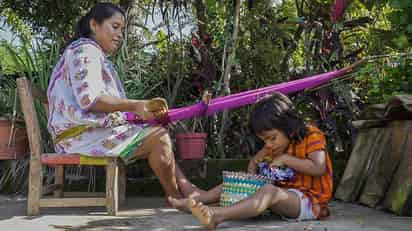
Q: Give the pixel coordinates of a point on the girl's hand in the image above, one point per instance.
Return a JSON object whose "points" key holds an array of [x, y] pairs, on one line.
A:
{"points": [[279, 160], [273, 151], [260, 156], [252, 167]]}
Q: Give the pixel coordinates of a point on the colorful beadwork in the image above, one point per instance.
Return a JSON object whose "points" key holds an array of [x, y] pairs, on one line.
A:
{"points": [[239, 185], [275, 174]]}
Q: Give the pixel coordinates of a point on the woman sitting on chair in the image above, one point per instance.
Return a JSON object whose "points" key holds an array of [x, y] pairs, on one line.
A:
{"points": [[87, 101]]}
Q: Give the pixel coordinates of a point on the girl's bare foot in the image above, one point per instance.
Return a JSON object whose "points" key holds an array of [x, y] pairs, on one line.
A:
{"points": [[203, 213], [181, 204]]}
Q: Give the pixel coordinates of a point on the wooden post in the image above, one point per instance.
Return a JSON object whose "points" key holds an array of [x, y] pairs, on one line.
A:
{"points": [[33, 132], [35, 188], [112, 191], [122, 182], [59, 179]]}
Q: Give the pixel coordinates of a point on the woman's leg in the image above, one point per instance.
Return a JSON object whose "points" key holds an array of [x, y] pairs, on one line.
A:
{"points": [[190, 190], [205, 197], [269, 196], [186, 187], [157, 148]]}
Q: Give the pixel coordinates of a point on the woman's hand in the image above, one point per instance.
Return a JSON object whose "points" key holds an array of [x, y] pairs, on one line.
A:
{"points": [[155, 108]]}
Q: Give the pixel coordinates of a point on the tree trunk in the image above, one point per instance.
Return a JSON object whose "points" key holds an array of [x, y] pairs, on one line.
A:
{"points": [[132, 16], [201, 18], [284, 67], [226, 76], [131, 32]]}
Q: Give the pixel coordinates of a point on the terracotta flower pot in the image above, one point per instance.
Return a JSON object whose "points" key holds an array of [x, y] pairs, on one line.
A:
{"points": [[191, 145], [19, 145]]}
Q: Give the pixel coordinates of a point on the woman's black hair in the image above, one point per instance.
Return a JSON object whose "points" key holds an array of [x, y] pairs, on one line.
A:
{"points": [[99, 12], [278, 112]]}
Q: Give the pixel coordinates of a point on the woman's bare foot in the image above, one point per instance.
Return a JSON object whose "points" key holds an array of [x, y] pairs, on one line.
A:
{"points": [[185, 186], [203, 213], [182, 204]]}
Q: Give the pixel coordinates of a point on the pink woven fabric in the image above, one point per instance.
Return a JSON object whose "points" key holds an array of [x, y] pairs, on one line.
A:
{"points": [[243, 98]]}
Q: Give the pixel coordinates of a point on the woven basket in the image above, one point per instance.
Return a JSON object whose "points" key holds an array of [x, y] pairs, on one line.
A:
{"points": [[239, 185]]}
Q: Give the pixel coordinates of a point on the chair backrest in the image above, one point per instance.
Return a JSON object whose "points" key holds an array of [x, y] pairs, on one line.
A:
{"points": [[27, 94]]}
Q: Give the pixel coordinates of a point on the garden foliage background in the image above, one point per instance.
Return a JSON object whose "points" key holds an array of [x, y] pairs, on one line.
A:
{"points": [[176, 49]]}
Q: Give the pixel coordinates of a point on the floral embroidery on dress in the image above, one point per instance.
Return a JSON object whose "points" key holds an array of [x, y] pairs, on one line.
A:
{"points": [[85, 100], [122, 136], [106, 77], [78, 51], [71, 110], [65, 75], [87, 114], [82, 87], [114, 119], [77, 62], [68, 125], [97, 152], [108, 144], [66, 144], [86, 60], [58, 129], [61, 107], [81, 74]]}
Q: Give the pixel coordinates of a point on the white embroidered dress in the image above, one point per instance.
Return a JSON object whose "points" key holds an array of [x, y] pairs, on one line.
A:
{"points": [[82, 74]]}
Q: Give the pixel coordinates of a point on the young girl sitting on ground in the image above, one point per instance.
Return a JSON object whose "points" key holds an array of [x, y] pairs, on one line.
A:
{"points": [[288, 142]]}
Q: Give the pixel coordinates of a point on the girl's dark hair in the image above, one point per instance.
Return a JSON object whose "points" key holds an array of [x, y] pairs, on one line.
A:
{"points": [[278, 112], [99, 12]]}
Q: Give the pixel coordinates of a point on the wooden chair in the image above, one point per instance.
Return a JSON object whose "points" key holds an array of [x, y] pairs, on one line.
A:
{"points": [[115, 168]]}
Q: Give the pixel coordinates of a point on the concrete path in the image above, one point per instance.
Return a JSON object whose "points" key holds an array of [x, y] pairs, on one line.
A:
{"points": [[150, 214]]}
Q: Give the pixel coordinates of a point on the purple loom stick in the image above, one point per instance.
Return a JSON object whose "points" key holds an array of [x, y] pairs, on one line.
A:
{"points": [[248, 97]]}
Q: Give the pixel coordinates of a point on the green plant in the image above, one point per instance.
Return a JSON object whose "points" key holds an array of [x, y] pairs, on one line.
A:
{"points": [[34, 60], [380, 80], [8, 97]]}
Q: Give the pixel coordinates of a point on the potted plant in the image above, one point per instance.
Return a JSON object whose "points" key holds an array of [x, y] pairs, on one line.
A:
{"points": [[13, 137], [191, 144]]}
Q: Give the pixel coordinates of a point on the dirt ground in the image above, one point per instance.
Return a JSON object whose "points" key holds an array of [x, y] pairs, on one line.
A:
{"points": [[151, 214]]}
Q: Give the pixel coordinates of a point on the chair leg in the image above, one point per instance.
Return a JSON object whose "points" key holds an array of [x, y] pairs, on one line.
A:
{"points": [[59, 179], [35, 188], [112, 176], [122, 182]]}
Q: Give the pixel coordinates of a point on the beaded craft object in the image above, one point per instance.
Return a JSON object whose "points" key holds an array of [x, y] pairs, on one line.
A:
{"points": [[275, 174], [239, 185]]}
